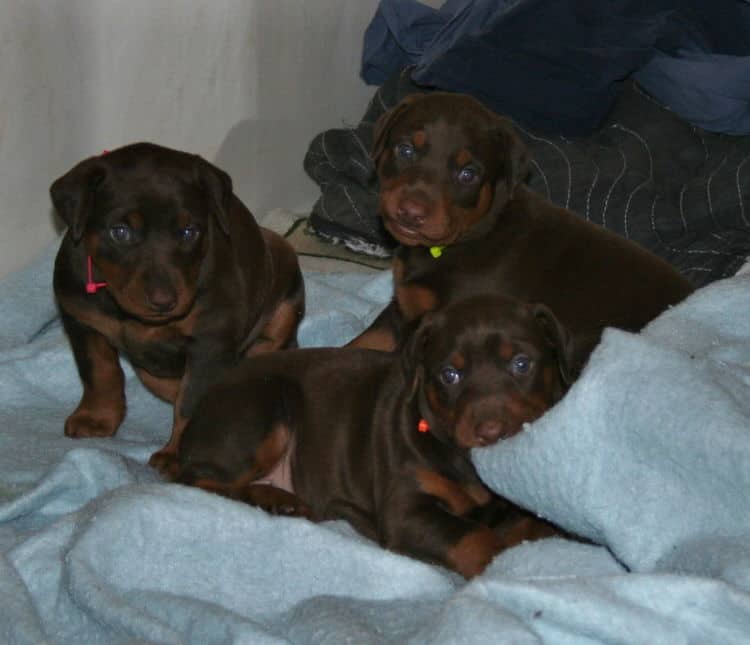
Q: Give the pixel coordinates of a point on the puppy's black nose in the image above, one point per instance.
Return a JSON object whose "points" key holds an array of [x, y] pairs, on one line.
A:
{"points": [[412, 213], [161, 300], [488, 432]]}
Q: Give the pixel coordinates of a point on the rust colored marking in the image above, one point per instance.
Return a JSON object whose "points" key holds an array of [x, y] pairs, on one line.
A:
{"points": [[164, 388], [184, 219], [270, 452], [525, 529], [471, 216], [90, 316], [278, 331], [397, 269], [135, 220], [380, 339], [102, 407], [436, 405], [460, 499], [415, 300], [473, 552], [463, 157], [506, 350], [458, 360], [419, 138]]}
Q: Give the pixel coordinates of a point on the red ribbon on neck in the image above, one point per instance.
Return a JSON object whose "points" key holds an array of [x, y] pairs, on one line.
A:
{"points": [[91, 286]]}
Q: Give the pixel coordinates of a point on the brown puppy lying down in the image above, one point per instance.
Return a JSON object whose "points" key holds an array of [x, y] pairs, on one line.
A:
{"points": [[162, 263], [383, 440], [452, 194]]}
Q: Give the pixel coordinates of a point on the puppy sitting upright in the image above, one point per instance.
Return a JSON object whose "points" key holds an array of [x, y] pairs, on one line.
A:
{"points": [[162, 263], [383, 440], [451, 193]]}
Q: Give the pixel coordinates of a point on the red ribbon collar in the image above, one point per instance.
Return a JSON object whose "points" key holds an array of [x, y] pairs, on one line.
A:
{"points": [[91, 286]]}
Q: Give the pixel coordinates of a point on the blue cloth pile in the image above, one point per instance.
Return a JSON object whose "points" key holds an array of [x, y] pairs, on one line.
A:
{"points": [[555, 66], [648, 457]]}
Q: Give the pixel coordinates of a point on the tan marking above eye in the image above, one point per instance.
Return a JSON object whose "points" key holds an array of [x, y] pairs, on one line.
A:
{"points": [[184, 220], [135, 220], [506, 350], [457, 360], [463, 157], [419, 138]]}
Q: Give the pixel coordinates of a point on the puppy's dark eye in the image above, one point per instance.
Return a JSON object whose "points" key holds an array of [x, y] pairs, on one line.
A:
{"points": [[121, 234], [406, 151], [521, 364], [467, 175], [189, 234], [449, 375]]}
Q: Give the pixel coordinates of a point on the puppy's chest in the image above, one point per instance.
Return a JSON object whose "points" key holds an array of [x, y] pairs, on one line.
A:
{"points": [[423, 283], [161, 351]]}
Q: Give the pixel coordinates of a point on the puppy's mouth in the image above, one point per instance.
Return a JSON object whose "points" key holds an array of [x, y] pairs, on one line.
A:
{"points": [[158, 318], [486, 432], [148, 314], [155, 318], [413, 235], [401, 232]]}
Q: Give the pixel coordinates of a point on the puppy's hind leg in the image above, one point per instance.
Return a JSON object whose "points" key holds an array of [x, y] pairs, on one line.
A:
{"points": [[238, 444]]}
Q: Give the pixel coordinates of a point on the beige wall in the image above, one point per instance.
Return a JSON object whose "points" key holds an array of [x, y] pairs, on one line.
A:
{"points": [[246, 83]]}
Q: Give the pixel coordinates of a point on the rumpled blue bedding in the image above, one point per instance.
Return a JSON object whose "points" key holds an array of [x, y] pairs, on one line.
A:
{"points": [[647, 457], [555, 66]]}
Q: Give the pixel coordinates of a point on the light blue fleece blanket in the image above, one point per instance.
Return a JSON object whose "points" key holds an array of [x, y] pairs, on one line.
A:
{"points": [[648, 457]]}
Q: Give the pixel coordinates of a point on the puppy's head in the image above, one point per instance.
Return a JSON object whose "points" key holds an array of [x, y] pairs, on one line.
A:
{"points": [[444, 162], [146, 216], [484, 366]]}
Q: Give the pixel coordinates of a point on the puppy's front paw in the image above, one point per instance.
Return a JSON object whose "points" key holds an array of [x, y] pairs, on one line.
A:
{"points": [[166, 463], [93, 423], [275, 501]]}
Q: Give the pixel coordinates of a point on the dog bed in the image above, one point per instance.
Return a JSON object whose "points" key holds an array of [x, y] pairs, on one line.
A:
{"points": [[647, 458]]}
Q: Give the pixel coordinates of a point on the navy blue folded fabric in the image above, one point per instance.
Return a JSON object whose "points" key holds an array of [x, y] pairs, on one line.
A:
{"points": [[556, 66]]}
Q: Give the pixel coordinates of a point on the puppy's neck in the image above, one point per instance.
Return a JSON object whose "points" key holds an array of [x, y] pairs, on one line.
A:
{"points": [[490, 220], [481, 228]]}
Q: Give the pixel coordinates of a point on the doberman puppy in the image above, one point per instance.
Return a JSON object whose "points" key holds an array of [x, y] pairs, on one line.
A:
{"points": [[163, 264], [451, 193], [381, 439]]}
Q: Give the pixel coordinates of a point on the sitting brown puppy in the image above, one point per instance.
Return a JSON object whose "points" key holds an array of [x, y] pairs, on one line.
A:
{"points": [[162, 263], [383, 440], [451, 193]]}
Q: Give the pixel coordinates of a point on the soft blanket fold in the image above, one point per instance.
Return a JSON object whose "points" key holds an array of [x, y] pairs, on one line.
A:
{"points": [[648, 457]]}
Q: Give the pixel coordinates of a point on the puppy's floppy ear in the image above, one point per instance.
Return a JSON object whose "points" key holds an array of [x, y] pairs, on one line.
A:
{"points": [[558, 337], [412, 352], [384, 124], [73, 194], [218, 187], [515, 153]]}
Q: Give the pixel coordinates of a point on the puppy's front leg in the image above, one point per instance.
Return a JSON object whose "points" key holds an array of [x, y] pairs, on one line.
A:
{"points": [[205, 365], [384, 332], [424, 526], [102, 406]]}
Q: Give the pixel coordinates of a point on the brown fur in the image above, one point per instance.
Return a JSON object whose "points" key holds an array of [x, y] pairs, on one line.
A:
{"points": [[462, 189], [355, 451], [192, 283]]}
